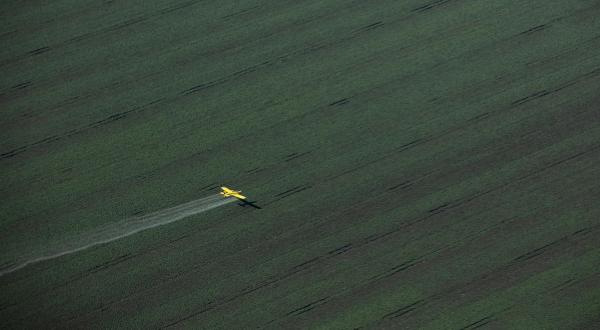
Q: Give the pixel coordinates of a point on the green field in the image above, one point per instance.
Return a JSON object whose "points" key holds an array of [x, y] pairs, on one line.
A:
{"points": [[420, 164]]}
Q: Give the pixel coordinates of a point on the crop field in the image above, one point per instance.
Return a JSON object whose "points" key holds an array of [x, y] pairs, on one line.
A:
{"points": [[420, 164]]}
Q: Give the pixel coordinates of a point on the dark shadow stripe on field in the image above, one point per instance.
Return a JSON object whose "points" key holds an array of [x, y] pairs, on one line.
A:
{"points": [[107, 29], [431, 5], [545, 248], [479, 323], [308, 307], [404, 310]]}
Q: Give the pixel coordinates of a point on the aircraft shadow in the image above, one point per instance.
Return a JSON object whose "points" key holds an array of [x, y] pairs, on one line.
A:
{"points": [[244, 203]]}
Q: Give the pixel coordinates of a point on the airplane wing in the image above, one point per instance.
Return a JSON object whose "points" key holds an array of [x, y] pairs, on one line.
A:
{"points": [[230, 192], [236, 195]]}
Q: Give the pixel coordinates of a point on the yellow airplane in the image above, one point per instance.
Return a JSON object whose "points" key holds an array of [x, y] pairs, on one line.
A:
{"points": [[232, 193], [226, 192]]}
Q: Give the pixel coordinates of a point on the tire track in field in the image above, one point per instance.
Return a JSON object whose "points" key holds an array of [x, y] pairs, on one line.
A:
{"points": [[107, 29], [349, 36], [311, 263], [403, 266], [433, 212]]}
